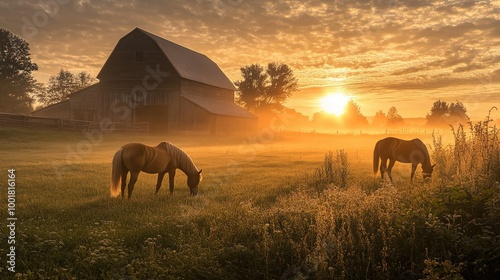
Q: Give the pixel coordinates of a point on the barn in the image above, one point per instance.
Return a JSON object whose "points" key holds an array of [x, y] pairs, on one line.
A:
{"points": [[148, 79]]}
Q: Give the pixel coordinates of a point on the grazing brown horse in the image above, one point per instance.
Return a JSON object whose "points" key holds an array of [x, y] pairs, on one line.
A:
{"points": [[394, 149], [162, 159]]}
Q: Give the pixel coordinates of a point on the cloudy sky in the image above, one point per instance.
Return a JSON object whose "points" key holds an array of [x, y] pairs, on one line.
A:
{"points": [[403, 53]]}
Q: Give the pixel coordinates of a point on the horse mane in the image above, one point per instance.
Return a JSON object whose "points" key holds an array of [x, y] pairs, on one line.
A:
{"points": [[427, 159], [184, 161]]}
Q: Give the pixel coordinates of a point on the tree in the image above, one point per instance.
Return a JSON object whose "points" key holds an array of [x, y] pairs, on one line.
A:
{"points": [[282, 85], [62, 85], [438, 113], [252, 87], [353, 116], [265, 90], [380, 119], [16, 80], [457, 113], [442, 114], [393, 117]]}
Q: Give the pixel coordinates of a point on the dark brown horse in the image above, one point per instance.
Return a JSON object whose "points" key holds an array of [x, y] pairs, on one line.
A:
{"points": [[162, 159], [394, 149]]}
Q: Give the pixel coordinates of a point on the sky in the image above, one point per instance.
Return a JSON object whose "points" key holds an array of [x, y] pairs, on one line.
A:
{"points": [[382, 53]]}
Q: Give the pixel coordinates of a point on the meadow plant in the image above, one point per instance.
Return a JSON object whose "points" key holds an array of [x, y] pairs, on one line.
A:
{"points": [[329, 224], [476, 154], [334, 171]]}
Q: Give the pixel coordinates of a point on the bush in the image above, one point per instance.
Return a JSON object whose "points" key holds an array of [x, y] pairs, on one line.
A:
{"points": [[334, 171]]}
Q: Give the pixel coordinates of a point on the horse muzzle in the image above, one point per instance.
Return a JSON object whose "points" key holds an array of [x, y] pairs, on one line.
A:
{"points": [[193, 193]]}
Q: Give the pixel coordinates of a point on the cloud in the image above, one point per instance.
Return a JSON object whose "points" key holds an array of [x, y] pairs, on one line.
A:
{"points": [[367, 47]]}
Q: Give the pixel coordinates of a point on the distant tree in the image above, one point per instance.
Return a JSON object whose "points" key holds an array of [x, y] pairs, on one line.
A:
{"points": [[265, 90], [252, 87], [16, 80], [324, 120], [380, 119], [84, 80], [352, 116], [443, 114], [282, 84], [457, 113], [393, 117], [292, 118], [438, 113], [62, 85]]}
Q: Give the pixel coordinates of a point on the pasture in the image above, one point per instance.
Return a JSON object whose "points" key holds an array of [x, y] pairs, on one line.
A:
{"points": [[270, 206]]}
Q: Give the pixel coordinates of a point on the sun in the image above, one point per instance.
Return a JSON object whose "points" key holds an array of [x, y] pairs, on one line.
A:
{"points": [[334, 103]]}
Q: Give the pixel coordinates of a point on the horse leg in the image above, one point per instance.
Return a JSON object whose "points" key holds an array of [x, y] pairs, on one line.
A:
{"points": [[389, 169], [124, 182], [171, 175], [133, 179], [383, 166], [413, 168], [160, 179]]}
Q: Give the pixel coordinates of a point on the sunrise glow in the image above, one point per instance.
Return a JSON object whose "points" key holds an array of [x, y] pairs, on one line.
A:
{"points": [[334, 103]]}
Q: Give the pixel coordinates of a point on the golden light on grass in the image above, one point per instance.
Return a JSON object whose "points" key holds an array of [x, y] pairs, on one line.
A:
{"points": [[334, 103]]}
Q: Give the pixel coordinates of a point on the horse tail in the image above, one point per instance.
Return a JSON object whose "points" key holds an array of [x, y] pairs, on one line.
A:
{"points": [[116, 173], [376, 157]]}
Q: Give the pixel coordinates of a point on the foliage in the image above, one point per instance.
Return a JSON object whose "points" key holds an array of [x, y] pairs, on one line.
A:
{"points": [[62, 85], [334, 221], [334, 171], [394, 119], [352, 115], [16, 80], [443, 114], [380, 119], [264, 91], [253, 86], [352, 118]]}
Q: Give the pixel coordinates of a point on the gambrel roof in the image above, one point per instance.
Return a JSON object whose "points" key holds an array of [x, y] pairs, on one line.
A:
{"points": [[189, 64]]}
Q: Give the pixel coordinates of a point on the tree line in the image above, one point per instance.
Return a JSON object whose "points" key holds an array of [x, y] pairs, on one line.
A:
{"points": [[264, 90], [19, 89], [261, 90]]}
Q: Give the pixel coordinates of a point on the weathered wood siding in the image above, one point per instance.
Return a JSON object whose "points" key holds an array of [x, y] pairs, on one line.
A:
{"points": [[58, 111], [137, 74], [192, 117], [196, 118], [85, 104], [195, 88]]}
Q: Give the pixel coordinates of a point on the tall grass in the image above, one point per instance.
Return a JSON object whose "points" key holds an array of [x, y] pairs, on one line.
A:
{"points": [[328, 224], [334, 170]]}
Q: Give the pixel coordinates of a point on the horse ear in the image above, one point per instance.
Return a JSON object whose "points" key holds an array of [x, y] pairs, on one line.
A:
{"points": [[199, 172]]}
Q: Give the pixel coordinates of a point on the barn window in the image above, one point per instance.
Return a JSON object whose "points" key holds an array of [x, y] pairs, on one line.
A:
{"points": [[139, 56]]}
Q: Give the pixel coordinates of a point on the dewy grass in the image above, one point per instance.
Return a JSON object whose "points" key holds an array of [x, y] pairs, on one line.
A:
{"points": [[264, 212]]}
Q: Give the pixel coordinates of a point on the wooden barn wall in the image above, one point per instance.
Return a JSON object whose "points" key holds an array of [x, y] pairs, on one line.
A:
{"points": [[195, 88], [118, 100], [123, 77], [122, 63], [192, 117], [58, 111], [85, 105]]}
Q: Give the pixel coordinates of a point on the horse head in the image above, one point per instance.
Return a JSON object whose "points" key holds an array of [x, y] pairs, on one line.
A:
{"points": [[193, 181], [427, 172]]}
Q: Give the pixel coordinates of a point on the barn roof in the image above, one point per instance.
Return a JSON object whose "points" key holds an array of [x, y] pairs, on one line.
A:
{"points": [[191, 65], [65, 102], [87, 90], [219, 107]]}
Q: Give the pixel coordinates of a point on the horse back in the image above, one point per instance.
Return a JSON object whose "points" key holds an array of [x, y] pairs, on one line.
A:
{"points": [[386, 146], [140, 157]]}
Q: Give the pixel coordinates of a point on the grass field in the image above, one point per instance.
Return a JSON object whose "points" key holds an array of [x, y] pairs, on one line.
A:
{"points": [[264, 211]]}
